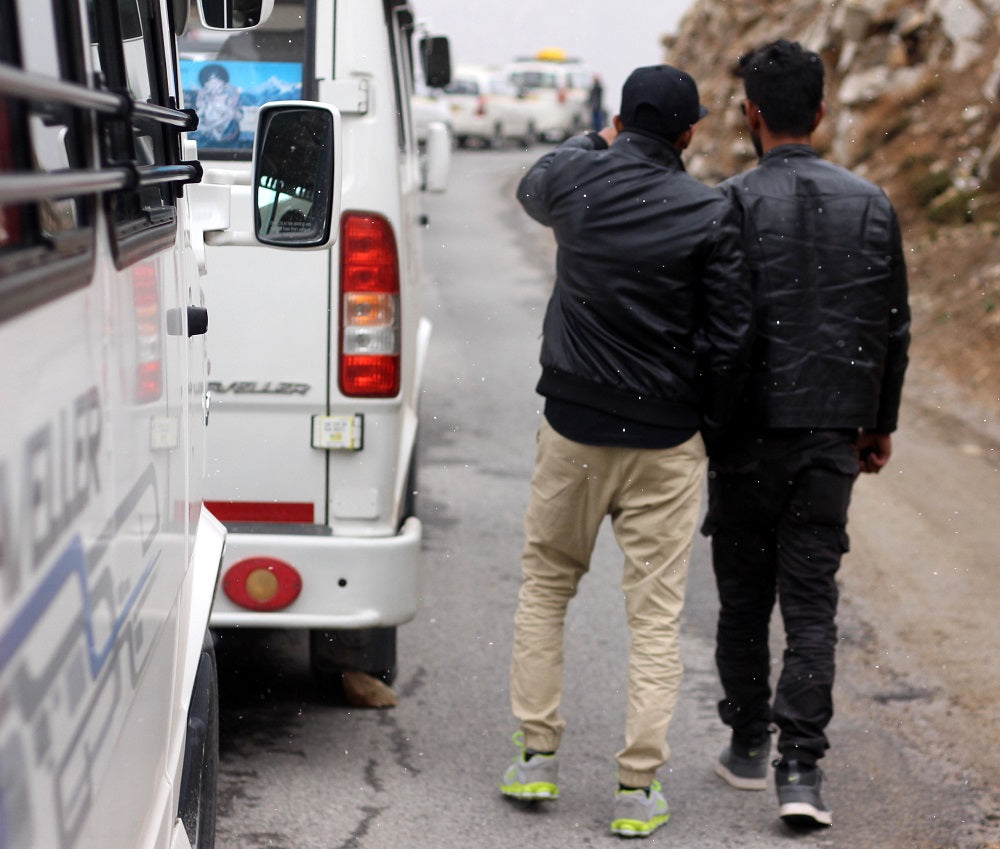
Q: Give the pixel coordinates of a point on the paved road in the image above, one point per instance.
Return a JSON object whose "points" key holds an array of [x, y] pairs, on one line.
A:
{"points": [[299, 772]]}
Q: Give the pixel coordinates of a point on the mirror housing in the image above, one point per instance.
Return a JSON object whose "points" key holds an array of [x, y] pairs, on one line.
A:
{"points": [[297, 174], [234, 14], [435, 60], [180, 10], [437, 157]]}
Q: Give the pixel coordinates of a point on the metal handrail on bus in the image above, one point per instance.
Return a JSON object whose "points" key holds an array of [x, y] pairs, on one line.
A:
{"points": [[19, 187], [41, 88], [31, 186]]}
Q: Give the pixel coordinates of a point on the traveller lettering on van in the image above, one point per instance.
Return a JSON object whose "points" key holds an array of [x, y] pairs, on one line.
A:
{"points": [[250, 387], [60, 475]]}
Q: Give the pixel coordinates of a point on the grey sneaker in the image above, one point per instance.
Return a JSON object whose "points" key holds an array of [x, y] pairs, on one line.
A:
{"points": [[799, 802], [744, 766], [535, 777], [638, 814]]}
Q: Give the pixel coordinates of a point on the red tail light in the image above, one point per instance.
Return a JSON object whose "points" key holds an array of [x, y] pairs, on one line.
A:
{"points": [[481, 106], [561, 96], [369, 307], [149, 343]]}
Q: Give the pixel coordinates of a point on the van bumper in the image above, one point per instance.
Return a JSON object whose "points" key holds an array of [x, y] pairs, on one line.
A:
{"points": [[347, 582]]}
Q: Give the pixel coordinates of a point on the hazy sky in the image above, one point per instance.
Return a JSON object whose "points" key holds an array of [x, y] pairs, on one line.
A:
{"points": [[611, 36]]}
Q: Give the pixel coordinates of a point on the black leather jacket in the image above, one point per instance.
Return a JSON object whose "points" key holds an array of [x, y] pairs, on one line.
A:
{"points": [[650, 314], [831, 316]]}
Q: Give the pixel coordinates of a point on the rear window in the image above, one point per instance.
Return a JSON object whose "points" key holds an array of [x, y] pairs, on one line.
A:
{"points": [[462, 87], [227, 76], [534, 79]]}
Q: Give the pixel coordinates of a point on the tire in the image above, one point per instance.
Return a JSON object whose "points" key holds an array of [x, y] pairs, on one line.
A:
{"points": [[371, 650], [200, 773]]}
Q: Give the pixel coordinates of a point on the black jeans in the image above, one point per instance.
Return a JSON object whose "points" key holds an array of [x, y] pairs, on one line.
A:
{"points": [[777, 516]]}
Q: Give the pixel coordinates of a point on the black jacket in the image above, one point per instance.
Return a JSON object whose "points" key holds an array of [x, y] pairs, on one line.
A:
{"points": [[650, 314], [830, 293]]}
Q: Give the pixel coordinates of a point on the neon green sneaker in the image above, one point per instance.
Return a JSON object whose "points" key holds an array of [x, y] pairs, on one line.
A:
{"points": [[531, 778], [639, 815]]}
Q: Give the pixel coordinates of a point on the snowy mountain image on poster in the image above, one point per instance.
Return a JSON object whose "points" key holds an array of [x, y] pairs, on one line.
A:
{"points": [[228, 94]]}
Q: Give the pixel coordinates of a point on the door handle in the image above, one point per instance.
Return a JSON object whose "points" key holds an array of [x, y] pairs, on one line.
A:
{"points": [[197, 321]]}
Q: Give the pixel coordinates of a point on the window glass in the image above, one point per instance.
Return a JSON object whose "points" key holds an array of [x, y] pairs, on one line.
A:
{"points": [[401, 34], [534, 79], [46, 245], [138, 66], [227, 76], [12, 230], [54, 131], [462, 86]]}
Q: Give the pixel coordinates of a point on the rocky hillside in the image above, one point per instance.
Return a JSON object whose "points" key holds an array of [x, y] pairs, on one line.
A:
{"points": [[913, 103]]}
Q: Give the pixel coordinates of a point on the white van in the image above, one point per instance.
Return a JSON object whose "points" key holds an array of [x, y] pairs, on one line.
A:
{"points": [[108, 561], [558, 88], [487, 110], [318, 356]]}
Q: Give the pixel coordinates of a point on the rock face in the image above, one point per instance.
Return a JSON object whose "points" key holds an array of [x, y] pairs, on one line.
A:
{"points": [[913, 104]]}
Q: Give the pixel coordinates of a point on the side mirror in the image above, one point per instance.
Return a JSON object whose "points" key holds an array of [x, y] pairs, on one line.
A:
{"points": [[297, 174], [435, 60], [234, 14]]}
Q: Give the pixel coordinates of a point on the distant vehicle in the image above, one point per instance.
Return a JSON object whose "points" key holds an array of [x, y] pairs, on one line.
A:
{"points": [[486, 108], [558, 88]]}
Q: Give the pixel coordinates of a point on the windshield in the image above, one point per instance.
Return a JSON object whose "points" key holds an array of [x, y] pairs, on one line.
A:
{"points": [[459, 86], [534, 79]]}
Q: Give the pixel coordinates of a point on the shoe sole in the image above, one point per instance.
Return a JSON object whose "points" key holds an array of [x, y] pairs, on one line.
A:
{"points": [[637, 828], [531, 792], [804, 815], [740, 782]]}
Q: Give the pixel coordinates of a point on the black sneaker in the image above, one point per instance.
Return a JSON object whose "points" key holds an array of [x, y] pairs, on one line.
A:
{"points": [[799, 801], [744, 765]]}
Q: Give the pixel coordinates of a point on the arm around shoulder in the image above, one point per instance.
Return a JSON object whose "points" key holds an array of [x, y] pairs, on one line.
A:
{"points": [[727, 334], [532, 191]]}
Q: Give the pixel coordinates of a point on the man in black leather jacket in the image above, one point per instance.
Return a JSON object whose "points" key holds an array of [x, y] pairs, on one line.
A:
{"points": [[646, 336], [832, 332]]}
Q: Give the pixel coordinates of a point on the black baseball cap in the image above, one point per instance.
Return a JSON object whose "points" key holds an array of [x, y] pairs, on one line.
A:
{"points": [[661, 100]]}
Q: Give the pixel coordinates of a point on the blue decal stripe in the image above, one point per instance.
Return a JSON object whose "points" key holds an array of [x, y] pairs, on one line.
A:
{"points": [[71, 560], [97, 659]]}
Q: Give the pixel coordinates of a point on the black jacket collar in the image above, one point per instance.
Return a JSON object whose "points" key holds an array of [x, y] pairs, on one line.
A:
{"points": [[783, 151], [651, 147]]}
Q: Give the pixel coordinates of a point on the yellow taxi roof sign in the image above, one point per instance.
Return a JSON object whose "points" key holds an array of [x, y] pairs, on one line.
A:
{"points": [[551, 54]]}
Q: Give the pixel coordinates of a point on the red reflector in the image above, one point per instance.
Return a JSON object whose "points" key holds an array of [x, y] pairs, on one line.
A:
{"points": [[261, 511], [262, 583]]}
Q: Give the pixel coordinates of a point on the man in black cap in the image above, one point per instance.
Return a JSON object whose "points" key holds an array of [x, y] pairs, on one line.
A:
{"points": [[645, 339]]}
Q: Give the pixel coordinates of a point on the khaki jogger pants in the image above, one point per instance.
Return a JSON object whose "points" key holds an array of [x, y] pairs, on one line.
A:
{"points": [[653, 497]]}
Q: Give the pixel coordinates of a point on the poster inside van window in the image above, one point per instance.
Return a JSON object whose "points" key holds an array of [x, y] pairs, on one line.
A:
{"points": [[228, 94]]}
